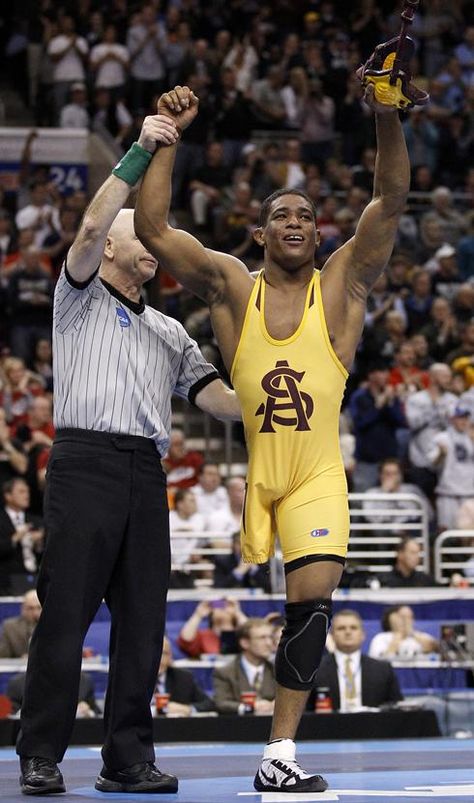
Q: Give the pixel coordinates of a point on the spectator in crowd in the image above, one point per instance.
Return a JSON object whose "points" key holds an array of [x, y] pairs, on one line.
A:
{"points": [[146, 45], [462, 358], [111, 120], [467, 400], [232, 116], [232, 572], [354, 680], [442, 329], [21, 539], [17, 630], [68, 52], [110, 62], [463, 303], [405, 572], [86, 703], [268, 101], [419, 301], [422, 351], [391, 482], [376, 414], [38, 428], [224, 616], [211, 495], [184, 519], [446, 278], [422, 137], [444, 213], [185, 695], [75, 114], [8, 239], [207, 184], [56, 245], [381, 342], [465, 251], [19, 388], [399, 639], [406, 376], [427, 413], [318, 124], [453, 453], [227, 519], [30, 297], [181, 464], [13, 461], [39, 214], [251, 670]]}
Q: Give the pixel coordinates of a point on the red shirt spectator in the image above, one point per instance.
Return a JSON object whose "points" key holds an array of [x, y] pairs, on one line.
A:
{"points": [[181, 466]]}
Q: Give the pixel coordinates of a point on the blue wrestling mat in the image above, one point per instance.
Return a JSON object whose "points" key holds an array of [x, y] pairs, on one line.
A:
{"points": [[358, 772]]}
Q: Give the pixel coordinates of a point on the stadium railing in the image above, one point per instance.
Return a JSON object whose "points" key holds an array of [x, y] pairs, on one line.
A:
{"points": [[454, 552]]}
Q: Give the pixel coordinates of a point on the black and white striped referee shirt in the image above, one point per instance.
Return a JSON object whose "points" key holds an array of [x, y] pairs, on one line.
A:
{"points": [[117, 363]]}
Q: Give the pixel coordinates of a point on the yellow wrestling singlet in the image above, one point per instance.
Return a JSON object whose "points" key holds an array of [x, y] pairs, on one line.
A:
{"points": [[290, 392]]}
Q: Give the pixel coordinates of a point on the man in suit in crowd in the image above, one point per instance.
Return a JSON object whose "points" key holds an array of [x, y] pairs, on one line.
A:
{"points": [[21, 538], [86, 705], [354, 679], [17, 630], [186, 696], [252, 670]]}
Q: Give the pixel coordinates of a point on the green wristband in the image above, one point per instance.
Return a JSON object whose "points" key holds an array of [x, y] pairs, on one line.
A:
{"points": [[133, 164]]}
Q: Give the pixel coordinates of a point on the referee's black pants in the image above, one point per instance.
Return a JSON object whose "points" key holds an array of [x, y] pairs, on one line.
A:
{"points": [[106, 517]]}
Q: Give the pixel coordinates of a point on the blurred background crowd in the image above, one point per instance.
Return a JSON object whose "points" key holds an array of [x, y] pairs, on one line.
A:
{"points": [[279, 106]]}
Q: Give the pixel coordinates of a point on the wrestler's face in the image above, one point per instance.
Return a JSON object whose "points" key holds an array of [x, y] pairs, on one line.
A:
{"points": [[348, 633], [289, 236]]}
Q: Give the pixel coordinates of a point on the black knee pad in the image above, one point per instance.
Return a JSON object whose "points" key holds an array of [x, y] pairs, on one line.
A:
{"points": [[302, 643]]}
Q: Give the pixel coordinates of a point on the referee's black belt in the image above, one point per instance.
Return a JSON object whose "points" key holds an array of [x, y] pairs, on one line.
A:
{"points": [[126, 443]]}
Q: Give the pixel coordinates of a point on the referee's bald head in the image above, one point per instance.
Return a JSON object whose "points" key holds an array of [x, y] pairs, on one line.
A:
{"points": [[125, 252]]}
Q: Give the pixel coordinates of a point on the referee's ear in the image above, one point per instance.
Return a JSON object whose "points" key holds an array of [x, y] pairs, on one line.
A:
{"points": [[109, 248]]}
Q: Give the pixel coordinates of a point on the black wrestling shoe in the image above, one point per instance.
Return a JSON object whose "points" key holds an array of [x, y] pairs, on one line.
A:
{"points": [[275, 775], [137, 778], [40, 776]]}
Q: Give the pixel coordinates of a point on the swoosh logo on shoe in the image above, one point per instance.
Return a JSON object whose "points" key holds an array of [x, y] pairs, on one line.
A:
{"points": [[268, 779]]}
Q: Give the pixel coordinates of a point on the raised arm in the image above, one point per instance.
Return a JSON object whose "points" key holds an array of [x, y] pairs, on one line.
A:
{"points": [[368, 252], [86, 251], [203, 271], [352, 270]]}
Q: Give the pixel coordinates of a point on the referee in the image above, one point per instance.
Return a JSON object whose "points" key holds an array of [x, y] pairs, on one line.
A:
{"points": [[117, 363]]}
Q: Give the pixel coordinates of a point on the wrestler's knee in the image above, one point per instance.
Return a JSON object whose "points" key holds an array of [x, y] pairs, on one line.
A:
{"points": [[302, 643]]}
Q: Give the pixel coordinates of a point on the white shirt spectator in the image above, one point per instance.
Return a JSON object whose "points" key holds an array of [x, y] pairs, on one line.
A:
{"points": [[38, 218], [457, 474], [409, 647], [466, 400], [111, 72], [183, 548], [211, 502], [74, 116], [223, 522], [426, 417], [70, 67], [392, 504]]}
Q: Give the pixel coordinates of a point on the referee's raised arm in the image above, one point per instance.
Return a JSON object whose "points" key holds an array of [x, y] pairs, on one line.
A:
{"points": [[87, 249]]}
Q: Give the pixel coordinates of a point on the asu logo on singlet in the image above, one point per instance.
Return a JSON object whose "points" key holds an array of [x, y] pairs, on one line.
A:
{"points": [[284, 395]]}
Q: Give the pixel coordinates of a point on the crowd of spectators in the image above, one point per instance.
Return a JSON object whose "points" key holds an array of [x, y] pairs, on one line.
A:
{"points": [[279, 106], [356, 671]]}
